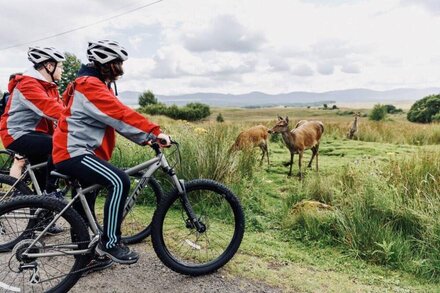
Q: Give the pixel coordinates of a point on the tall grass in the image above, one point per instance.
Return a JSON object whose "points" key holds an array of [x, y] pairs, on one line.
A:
{"points": [[205, 151], [399, 132], [387, 214]]}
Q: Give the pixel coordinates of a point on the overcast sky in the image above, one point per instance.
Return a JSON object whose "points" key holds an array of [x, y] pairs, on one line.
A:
{"points": [[239, 46]]}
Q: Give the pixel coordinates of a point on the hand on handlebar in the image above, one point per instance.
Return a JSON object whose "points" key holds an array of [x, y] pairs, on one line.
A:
{"points": [[164, 140]]}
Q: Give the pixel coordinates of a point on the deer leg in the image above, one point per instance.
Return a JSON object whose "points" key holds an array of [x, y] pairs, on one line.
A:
{"points": [[262, 155], [313, 155], [299, 163], [267, 154], [317, 155], [291, 164]]}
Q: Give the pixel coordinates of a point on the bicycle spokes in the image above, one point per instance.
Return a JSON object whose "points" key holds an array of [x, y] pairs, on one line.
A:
{"points": [[28, 263]]}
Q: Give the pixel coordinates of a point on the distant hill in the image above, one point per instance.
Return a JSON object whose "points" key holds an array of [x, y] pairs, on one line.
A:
{"points": [[289, 99]]}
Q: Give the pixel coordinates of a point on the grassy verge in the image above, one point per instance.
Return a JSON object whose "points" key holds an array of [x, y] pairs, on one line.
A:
{"points": [[380, 230]]}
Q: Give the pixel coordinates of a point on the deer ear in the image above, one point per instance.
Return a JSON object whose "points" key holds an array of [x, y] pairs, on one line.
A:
{"points": [[280, 118], [287, 119]]}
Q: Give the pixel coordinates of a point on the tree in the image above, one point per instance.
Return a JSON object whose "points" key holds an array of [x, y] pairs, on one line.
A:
{"points": [[71, 67], [147, 98], [325, 106], [391, 109], [220, 118], [334, 107], [378, 113], [424, 110]]}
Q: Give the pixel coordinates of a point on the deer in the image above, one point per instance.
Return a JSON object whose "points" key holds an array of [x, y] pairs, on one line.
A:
{"points": [[253, 137], [305, 135], [354, 126]]}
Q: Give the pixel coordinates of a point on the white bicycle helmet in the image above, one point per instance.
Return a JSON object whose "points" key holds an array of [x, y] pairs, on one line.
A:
{"points": [[105, 51], [37, 54]]}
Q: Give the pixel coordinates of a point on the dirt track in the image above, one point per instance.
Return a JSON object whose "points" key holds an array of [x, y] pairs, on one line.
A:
{"points": [[150, 275]]}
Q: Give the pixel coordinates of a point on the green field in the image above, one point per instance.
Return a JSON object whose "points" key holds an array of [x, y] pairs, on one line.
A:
{"points": [[380, 231]]}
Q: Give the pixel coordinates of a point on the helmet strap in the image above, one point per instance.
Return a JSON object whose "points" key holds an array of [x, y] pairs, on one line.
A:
{"points": [[116, 69], [51, 72]]}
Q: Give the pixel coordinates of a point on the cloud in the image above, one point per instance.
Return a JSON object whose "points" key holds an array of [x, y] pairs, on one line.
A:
{"points": [[325, 68], [176, 61], [225, 33], [302, 70], [432, 6], [350, 68], [232, 46], [279, 64]]}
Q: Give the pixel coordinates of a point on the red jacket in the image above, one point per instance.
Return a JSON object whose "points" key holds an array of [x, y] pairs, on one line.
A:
{"points": [[93, 113], [34, 105]]}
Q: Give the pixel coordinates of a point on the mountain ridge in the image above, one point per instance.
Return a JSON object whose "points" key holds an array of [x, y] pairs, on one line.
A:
{"points": [[298, 98]]}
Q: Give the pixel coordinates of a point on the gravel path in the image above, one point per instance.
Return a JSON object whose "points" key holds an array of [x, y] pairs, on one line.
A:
{"points": [[150, 275]]}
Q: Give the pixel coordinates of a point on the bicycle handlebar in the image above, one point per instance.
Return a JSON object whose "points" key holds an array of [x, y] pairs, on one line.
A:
{"points": [[156, 144]]}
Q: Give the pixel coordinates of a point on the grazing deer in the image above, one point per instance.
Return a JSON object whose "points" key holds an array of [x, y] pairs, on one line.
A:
{"points": [[305, 136], [354, 126], [253, 137]]}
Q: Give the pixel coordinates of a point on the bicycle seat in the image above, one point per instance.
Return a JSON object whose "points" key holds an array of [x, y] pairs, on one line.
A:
{"points": [[56, 174], [14, 153]]}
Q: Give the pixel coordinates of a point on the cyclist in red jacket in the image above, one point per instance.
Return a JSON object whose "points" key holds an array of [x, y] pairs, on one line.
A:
{"points": [[31, 112], [33, 107], [85, 138]]}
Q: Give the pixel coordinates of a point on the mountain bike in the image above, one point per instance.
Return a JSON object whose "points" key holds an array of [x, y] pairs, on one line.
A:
{"points": [[143, 199], [196, 229]]}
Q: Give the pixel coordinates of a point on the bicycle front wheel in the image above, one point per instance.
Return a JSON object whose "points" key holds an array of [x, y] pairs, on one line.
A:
{"points": [[53, 266], [192, 250]]}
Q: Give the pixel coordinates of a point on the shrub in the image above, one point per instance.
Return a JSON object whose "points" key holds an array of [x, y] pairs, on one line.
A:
{"points": [[391, 109], [220, 118], [378, 113], [425, 109], [190, 112]]}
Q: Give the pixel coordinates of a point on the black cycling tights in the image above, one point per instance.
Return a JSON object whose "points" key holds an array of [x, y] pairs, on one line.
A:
{"points": [[37, 147], [90, 170]]}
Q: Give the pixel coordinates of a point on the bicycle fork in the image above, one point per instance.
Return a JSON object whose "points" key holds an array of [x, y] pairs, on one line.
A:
{"points": [[192, 221]]}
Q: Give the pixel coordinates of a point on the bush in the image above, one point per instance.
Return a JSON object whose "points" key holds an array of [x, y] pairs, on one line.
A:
{"points": [[378, 113], [425, 109], [220, 118], [391, 109], [190, 112]]}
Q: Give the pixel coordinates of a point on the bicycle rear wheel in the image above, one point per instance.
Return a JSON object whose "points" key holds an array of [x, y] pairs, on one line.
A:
{"points": [[6, 160], [7, 191], [191, 251], [52, 268]]}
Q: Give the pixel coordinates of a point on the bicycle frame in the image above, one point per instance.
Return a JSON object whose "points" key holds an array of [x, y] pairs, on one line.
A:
{"points": [[29, 170], [151, 166]]}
